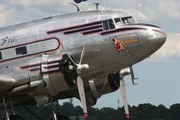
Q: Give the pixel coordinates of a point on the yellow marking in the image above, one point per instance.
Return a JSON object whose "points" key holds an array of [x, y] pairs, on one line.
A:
{"points": [[127, 36], [133, 40]]}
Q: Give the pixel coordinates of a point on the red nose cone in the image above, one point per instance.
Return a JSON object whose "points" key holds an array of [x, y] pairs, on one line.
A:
{"points": [[127, 116], [85, 115]]}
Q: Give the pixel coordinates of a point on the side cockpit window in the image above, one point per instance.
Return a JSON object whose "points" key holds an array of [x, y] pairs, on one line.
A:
{"points": [[117, 21], [128, 20], [108, 24]]}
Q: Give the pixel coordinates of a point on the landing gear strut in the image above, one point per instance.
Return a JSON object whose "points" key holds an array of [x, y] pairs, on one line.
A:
{"points": [[10, 114], [56, 112]]}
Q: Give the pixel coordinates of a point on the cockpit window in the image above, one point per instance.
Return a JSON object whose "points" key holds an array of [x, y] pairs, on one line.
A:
{"points": [[108, 24], [128, 20], [117, 21]]}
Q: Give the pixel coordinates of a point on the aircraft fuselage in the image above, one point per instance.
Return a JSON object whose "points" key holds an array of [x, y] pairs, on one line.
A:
{"points": [[32, 54]]}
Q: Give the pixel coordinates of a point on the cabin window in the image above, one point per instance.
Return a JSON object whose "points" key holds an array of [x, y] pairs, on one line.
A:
{"points": [[21, 50], [108, 24], [128, 20], [0, 55]]}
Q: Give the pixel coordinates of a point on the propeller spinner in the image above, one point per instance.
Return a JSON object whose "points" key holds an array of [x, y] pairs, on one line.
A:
{"points": [[80, 84]]}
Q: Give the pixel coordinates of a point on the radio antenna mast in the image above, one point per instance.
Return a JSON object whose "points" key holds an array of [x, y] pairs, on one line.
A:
{"points": [[78, 9], [86, 6], [104, 3]]}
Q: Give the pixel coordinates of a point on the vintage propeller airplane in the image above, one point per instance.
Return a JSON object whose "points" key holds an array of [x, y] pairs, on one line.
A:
{"points": [[82, 54]]}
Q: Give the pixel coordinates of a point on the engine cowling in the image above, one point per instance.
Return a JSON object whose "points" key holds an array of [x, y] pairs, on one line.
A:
{"points": [[55, 74], [101, 86], [6, 82]]}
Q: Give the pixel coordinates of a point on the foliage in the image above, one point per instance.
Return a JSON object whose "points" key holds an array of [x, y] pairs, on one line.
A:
{"points": [[141, 112]]}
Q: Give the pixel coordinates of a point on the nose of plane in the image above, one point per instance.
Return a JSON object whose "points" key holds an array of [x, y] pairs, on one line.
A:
{"points": [[157, 38]]}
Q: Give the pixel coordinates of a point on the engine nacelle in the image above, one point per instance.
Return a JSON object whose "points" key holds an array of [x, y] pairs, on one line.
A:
{"points": [[6, 82], [63, 76], [101, 86], [52, 74]]}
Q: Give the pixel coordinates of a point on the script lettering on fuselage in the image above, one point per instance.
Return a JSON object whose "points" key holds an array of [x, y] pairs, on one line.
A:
{"points": [[129, 40], [7, 40]]}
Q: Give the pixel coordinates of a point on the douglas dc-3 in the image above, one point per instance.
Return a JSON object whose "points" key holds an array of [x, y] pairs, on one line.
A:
{"points": [[82, 54]]}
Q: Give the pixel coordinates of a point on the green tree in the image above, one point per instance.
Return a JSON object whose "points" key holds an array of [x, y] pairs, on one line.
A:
{"points": [[105, 112], [162, 112], [68, 109], [79, 111], [174, 112]]}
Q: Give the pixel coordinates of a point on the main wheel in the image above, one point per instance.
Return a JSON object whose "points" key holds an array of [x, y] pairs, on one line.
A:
{"points": [[15, 117]]}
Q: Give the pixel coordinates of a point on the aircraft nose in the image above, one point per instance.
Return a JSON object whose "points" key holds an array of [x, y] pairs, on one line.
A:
{"points": [[157, 38]]}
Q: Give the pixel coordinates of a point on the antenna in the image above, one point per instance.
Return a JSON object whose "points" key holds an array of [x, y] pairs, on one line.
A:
{"points": [[104, 3], [86, 5], [97, 6], [78, 9], [71, 100], [118, 104]]}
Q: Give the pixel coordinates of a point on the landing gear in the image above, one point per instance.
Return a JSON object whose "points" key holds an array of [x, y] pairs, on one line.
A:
{"points": [[56, 112], [10, 114], [61, 117]]}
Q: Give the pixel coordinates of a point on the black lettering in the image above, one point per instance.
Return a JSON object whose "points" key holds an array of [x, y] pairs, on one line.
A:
{"points": [[4, 40], [8, 40]]}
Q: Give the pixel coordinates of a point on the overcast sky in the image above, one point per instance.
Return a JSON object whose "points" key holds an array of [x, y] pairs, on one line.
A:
{"points": [[159, 78]]}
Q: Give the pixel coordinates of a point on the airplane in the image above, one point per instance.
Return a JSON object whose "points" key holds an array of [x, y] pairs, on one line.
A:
{"points": [[85, 54]]}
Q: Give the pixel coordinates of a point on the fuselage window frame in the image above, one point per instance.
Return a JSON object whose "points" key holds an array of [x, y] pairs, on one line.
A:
{"points": [[128, 20], [118, 21], [1, 56], [21, 50], [108, 24]]}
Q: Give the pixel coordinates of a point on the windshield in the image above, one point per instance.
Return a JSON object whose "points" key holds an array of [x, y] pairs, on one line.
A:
{"points": [[128, 20]]}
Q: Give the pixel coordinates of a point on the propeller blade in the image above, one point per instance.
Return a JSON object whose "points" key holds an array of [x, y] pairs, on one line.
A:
{"points": [[124, 97], [82, 54], [68, 55], [80, 86]]}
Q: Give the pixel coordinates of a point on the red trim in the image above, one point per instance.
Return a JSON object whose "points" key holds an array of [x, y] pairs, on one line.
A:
{"points": [[90, 31], [39, 63], [123, 27], [34, 41], [159, 31], [62, 30]]}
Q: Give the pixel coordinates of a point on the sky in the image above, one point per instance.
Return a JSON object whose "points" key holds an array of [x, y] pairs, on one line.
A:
{"points": [[159, 75]]}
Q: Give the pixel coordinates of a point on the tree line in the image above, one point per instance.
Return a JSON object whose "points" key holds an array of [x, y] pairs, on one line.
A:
{"points": [[141, 112]]}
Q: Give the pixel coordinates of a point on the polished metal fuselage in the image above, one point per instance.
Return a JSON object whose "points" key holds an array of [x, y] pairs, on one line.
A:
{"points": [[48, 36]]}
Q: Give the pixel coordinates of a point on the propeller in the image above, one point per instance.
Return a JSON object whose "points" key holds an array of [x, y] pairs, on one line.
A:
{"points": [[80, 84], [123, 73], [124, 97]]}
